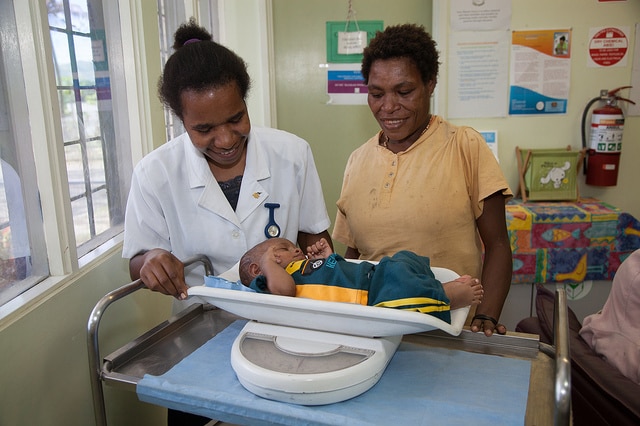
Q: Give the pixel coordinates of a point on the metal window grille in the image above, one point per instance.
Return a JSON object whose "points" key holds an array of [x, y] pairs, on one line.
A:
{"points": [[81, 64]]}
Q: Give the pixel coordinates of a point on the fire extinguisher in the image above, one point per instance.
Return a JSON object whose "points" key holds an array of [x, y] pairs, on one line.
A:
{"points": [[605, 141]]}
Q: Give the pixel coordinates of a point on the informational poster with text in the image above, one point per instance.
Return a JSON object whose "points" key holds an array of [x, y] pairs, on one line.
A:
{"points": [[540, 71], [477, 74], [345, 85], [479, 15], [491, 137]]}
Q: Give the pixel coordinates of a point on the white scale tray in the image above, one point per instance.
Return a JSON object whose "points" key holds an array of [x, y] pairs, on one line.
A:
{"points": [[272, 355], [345, 318]]}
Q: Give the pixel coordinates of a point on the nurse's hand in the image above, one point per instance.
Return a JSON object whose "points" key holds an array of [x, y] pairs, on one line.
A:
{"points": [[160, 271]]}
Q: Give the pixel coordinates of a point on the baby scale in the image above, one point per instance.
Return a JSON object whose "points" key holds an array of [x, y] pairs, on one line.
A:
{"points": [[313, 352]]}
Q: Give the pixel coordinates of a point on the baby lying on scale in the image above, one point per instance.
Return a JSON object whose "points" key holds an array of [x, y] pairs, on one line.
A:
{"points": [[402, 281]]}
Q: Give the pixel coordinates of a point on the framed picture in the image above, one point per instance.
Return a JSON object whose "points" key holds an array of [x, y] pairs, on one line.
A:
{"points": [[346, 39], [552, 174]]}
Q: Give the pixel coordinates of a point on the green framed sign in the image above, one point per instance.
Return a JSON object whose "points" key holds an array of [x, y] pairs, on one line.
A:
{"points": [[336, 38], [552, 174]]}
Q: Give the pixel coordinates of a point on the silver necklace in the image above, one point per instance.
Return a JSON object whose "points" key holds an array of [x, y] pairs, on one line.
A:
{"points": [[385, 141]]}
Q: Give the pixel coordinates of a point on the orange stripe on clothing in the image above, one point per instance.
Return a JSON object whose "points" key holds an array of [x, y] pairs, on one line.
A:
{"points": [[331, 293]]}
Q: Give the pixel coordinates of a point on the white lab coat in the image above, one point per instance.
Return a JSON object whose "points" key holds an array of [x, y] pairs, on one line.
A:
{"points": [[176, 204]]}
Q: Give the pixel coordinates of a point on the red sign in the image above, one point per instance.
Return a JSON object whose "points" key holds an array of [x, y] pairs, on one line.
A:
{"points": [[608, 46]]}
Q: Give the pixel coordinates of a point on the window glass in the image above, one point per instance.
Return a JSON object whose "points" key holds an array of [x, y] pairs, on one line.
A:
{"points": [[15, 254], [23, 262], [170, 15], [93, 151], [68, 114], [62, 63]]}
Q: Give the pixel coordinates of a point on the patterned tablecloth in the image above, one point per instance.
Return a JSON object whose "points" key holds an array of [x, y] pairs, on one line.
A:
{"points": [[569, 241]]}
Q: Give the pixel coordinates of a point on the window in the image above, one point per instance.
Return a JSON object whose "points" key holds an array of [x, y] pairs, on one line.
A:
{"points": [[92, 149], [70, 107], [65, 138]]}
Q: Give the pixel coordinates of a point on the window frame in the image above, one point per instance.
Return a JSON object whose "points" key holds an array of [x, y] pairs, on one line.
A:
{"points": [[43, 130]]}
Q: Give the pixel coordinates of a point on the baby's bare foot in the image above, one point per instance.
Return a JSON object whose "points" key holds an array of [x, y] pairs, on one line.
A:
{"points": [[464, 291]]}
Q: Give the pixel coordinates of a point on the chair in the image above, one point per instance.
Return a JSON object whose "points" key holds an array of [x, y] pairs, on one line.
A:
{"points": [[600, 394]]}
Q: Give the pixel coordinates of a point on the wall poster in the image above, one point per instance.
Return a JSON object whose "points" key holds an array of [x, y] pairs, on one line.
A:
{"points": [[540, 71], [345, 42]]}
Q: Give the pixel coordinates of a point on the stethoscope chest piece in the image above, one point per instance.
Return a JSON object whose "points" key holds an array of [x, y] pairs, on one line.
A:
{"points": [[272, 230]]}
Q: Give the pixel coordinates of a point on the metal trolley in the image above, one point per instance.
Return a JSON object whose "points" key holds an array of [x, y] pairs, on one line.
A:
{"points": [[159, 349]]}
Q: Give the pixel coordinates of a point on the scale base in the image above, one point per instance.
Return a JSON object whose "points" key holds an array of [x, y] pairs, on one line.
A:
{"points": [[308, 367]]}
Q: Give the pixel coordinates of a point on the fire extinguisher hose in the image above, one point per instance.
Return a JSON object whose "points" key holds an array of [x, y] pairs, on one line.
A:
{"points": [[584, 130]]}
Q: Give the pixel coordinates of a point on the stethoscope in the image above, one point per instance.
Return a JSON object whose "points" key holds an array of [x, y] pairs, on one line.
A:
{"points": [[272, 230]]}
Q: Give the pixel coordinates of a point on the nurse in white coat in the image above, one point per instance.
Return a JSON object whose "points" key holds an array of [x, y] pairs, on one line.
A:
{"points": [[223, 186]]}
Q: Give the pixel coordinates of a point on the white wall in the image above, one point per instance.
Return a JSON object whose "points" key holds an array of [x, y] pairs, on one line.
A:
{"points": [[562, 130], [244, 30]]}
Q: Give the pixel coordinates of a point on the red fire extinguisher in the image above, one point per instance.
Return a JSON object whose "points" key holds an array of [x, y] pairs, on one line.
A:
{"points": [[605, 141]]}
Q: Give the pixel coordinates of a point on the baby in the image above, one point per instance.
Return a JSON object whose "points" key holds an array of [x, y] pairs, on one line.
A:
{"points": [[402, 281]]}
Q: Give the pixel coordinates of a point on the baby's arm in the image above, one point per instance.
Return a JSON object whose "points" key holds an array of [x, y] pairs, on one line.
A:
{"points": [[319, 250], [278, 279]]}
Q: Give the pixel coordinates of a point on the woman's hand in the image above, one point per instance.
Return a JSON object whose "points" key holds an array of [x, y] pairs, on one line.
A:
{"points": [[488, 325], [160, 271]]}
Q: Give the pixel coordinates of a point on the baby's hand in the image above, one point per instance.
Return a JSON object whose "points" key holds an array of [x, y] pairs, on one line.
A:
{"points": [[269, 256], [319, 250]]}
